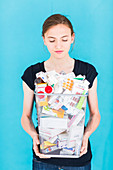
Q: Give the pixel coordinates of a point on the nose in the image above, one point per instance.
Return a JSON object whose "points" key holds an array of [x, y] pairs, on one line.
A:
{"points": [[58, 44]]}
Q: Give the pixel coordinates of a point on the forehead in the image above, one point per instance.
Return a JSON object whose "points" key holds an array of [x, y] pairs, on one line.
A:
{"points": [[58, 30]]}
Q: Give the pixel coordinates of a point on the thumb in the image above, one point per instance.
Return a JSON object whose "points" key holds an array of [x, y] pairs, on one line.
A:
{"points": [[83, 146], [36, 140]]}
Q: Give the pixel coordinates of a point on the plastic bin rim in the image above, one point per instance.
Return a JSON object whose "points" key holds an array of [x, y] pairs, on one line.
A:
{"points": [[61, 94]]}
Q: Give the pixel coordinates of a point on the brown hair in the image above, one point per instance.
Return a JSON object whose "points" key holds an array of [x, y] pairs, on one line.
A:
{"points": [[55, 20]]}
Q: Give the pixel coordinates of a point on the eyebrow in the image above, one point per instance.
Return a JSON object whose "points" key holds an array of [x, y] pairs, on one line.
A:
{"points": [[61, 37]]}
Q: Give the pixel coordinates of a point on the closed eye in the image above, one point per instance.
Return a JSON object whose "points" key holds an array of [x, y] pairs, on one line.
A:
{"points": [[54, 41], [64, 40]]}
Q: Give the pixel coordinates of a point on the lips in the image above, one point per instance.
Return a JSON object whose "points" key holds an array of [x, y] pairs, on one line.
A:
{"points": [[58, 52]]}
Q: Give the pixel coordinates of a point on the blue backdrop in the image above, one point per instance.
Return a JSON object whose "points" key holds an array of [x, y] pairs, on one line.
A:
{"points": [[21, 45]]}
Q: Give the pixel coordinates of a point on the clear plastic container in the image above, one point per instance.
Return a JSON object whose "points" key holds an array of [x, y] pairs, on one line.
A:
{"points": [[61, 119]]}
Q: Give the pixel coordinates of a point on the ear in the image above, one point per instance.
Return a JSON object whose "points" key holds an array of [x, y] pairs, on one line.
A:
{"points": [[72, 37], [44, 40]]}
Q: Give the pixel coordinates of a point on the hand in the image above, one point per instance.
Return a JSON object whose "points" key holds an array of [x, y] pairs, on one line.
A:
{"points": [[36, 142], [84, 146]]}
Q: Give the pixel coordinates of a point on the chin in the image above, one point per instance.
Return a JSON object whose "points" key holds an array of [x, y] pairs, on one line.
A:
{"points": [[59, 56]]}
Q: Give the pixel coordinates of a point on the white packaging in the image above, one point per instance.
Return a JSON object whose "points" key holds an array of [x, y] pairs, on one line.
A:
{"points": [[75, 133], [42, 75], [51, 132], [76, 119], [51, 123]]}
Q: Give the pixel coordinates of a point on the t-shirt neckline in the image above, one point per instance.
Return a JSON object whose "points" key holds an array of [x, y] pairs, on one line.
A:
{"points": [[72, 70]]}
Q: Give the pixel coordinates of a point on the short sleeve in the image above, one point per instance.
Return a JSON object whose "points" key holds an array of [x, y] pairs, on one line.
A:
{"points": [[27, 77], [91, 74]]}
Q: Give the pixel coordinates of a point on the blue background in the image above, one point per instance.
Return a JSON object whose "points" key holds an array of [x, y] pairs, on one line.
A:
{"points": [[21, 45]]}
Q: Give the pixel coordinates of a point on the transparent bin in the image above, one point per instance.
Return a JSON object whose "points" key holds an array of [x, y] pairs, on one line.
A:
{"points": [[61, 119]]}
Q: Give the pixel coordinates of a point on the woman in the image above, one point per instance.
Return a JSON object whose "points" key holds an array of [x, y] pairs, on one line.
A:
{"points": [[58, 35]]}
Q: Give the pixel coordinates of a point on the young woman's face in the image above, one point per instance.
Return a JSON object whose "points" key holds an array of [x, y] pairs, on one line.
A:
{"points": [[58, 40]]}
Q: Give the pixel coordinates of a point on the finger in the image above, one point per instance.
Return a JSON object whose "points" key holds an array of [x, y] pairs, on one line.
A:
{"points": [[83, 152], [42, 155], [84, 145], [82, 148], [37, 141], [36, 149]]}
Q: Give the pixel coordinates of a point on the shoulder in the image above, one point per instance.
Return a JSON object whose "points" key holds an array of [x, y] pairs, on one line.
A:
{"points": [[87, 69], [29, 74], [83, 66], [34, 68]]}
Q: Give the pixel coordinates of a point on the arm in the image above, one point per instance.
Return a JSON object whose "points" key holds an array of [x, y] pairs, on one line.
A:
{"points": [[26, 119], [94, 119]]}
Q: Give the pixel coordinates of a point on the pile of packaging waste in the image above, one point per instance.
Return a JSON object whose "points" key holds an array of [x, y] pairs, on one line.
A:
{"points": [[61, 104]]}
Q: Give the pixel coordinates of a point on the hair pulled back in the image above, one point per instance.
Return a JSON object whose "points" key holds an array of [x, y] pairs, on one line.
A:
{"points": [[55, 20]]}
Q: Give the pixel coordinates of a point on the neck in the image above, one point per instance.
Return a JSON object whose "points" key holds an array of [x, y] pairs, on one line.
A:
{"points": [[65, 64], [60, 62]]}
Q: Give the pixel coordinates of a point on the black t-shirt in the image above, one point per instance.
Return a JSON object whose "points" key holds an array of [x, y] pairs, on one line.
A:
{"points": [[82, 68]]}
